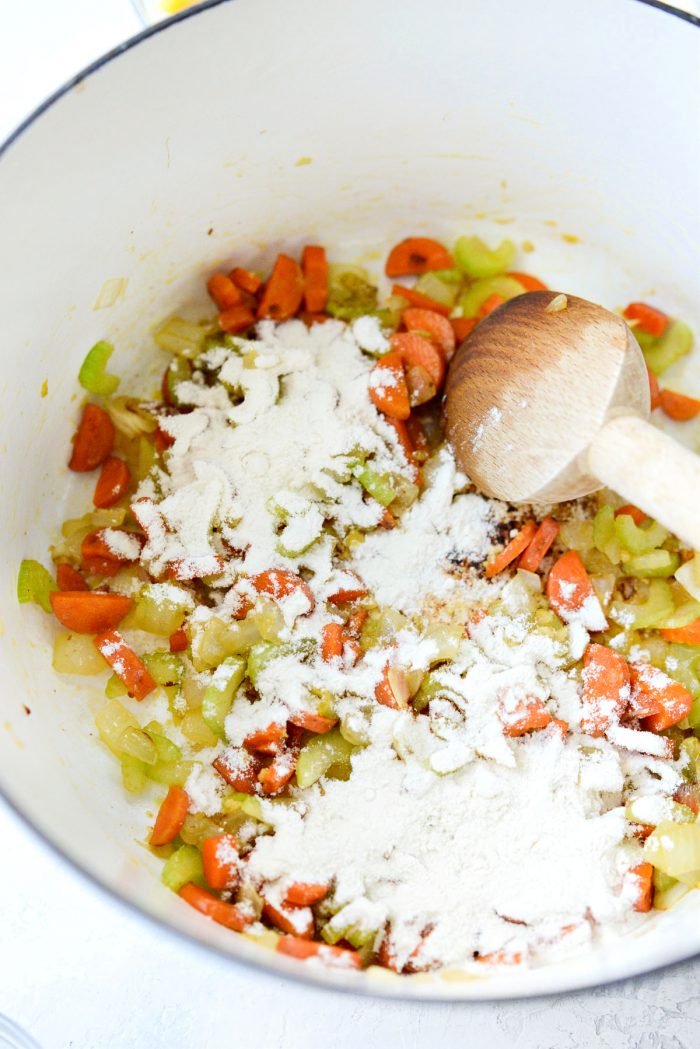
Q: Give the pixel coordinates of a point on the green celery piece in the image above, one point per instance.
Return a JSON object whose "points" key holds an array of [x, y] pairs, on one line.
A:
{"points": [[262, 654], [115, 687], [476, 295], [655, 564], [681, 616], [166, 668], [438, 290], [184, 866], [379, 486], [657, 607], [679, 813], [604, 535], [133, 774], [351, 296], [690, 746], [180, 337], [92, 375], [35, 583], [167, 751], [663, 882], [638, 540], [318, 755], [179, 370], [219, 693], [452, 276], [675, 343], [336, 930], [477, 260], [169, 773], [146, 458], [430, 688]]}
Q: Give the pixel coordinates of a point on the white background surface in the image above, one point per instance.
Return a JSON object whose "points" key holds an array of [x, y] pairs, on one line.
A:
{"points": [[78, 971]]}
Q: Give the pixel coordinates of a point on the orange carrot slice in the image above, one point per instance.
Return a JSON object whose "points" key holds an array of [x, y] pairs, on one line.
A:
{"points": [[648, 317], [178, 641], [221, 861], [515, 547], [245, 280], [89, 612], [463, 326], [529, 715], [277, 775], [491, 304], [278, 584], [113, 482], [677, 406], [434, 325], [682, 635], [93, 440], [126, 664], [283, 292], [528, 282], [171, 816], [295, 921], [423, 302], [570, 592], [69, 578], [266, 740], [637, 515], [387, 387], [304, 894], [644, 876], [242, 774], [223, 291], [227, 914], [654, 391], [236, 319], [539, 545], [296, 947], [667, 700], [332, 642], [415, 351], [417, 255], [349, 591], [408, 447], [605, 689], [314, 266]]}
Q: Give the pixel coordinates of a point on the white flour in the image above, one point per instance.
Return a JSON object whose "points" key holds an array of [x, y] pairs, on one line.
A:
{"points": [[456, 836]]}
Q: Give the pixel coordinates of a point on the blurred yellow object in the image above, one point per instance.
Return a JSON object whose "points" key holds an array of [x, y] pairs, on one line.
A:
{"points": [[171, 7]]}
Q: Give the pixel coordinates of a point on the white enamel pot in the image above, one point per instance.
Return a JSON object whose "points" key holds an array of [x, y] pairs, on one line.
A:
{"points": [[257, 123]]}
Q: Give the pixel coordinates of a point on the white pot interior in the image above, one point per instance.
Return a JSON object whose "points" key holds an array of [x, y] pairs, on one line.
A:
{"points": [[252, 125]]}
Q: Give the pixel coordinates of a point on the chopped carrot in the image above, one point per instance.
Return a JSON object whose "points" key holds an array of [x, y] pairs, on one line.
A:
{"points": [[432, 325], [171, 816], [683, 635], [93, 440], [188, 568], [666, 701], [221, 862], [283, 292], [648, 317], [227, 914], [236, 319], [392, 688], [162, 441], [654, 391], [528, 282], [569, 589], [348, 592], [414, 350], [514, 549], [332, 642], [98, 557], [637, 515], [387, 387], [387, 520], [243, 775], [677, 406], [69, 578], [605, 689], [296, 947], [295, 921], [278, 584], [113, 482], [312, 722], [418, 299], [87, 611], [279, 773], [304, 894], [245, 280], [420, 385], [491, 304], [356, 621], [314, 265], [644, 875], [529, 715], [500, 958], [178, 641], [463, 326], [266, 740], [417, 255], [562, 725], [539, 545], [688, 794], [223, 291], [243, 607], [125, 664], [313, 318]]}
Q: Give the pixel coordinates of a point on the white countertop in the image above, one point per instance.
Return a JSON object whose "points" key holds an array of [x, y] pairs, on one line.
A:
{"points": [[80, 972]]}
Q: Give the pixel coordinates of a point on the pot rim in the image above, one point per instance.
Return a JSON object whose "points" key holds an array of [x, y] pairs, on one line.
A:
{"points": [[306, 977]]}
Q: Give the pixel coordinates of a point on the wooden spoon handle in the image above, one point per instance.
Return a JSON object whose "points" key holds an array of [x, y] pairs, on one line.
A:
{"points": [[651, 470]]}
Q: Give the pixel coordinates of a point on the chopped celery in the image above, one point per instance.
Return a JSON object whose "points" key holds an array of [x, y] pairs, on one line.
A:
{"points": [[92, 375], [662, 882], [318, 755], [166, 749], [668, 898], [135, 743], [674, 848], [262, 654], [381, 626], [431, 688], [35, 583], [185, 865], [130, 417], [115, 687], [437, 289], [657, 607], [216, 640], [690, 749], [197, 828], [688, 575], [350, 293], [146, 457], [477, 260], [195, 729], [169, 773], [111, 722], [638, 540], [341, 928], [379, 486], [219, 693], [675, 343], [300, 533], [179, 370], [133, 774], [682, 615], [447, 641], [653, 809], [655, 564], [476, 295], [268, 619], [166, 668], [604, 535], [160, 609], [76, 654], [405, 491], [181, 337], [246, 803], [577, 535]]}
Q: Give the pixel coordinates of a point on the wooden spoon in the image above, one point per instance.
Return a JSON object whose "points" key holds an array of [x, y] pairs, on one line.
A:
{"points": [[545, 405]]}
